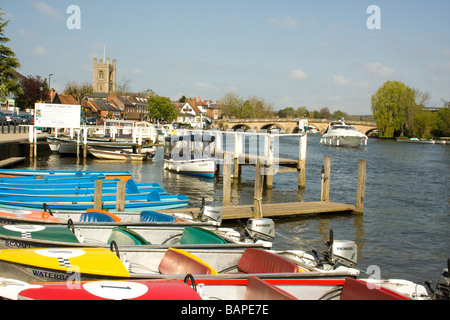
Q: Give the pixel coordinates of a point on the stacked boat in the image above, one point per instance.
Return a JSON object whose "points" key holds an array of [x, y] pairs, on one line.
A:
{"points": [[49, 252]]}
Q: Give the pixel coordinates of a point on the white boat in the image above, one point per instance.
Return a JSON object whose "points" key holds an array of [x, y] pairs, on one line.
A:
{"points": [[339, 133], [191, 154], [121, 154]]}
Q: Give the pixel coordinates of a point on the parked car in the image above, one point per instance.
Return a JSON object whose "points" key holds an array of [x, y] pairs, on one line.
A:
{"points": [[2, 118], [13, 118], [27, 118], [91, 120]]}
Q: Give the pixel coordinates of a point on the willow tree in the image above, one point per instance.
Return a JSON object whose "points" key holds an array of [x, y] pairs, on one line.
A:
{"points": [[392, 106], [8, 64]]}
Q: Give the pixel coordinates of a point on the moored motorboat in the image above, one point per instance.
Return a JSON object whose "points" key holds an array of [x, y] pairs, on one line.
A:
{"points": [[190, 154], [120, 154], [62, 263], [207, 216], [110, 231], [341, 134], [194, 288]]}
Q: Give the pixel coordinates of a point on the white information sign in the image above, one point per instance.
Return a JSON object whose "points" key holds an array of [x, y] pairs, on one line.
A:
{"points": [[57, 115]]}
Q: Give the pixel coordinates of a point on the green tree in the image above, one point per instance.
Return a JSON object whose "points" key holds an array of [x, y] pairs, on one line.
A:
{"points": [[392, 104], [288, 112], [441, 126], [161, 109], [8, 64]]}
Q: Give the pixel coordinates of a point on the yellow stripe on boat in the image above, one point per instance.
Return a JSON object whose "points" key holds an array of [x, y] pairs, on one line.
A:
{"points": [[96, 261]]}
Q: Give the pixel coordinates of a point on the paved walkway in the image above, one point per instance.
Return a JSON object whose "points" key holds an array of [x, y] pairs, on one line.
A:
{"points": [[16, 137]]}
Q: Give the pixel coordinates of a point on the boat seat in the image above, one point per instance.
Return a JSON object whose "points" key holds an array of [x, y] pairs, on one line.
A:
{"points": [[177, 261], [124, 236], [197, 235], [262, 261], [258, 289], [94, 215], [152, 216], [359, 290]]}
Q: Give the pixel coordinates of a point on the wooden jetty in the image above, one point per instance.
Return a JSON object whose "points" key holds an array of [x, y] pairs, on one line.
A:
{"points": [[276, 210]]}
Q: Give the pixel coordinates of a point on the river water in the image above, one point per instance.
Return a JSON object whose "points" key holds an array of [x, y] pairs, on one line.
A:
{"points": [[404, 229]]}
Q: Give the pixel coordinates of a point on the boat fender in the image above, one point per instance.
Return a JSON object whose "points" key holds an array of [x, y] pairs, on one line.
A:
{"points": [[114, 248]]}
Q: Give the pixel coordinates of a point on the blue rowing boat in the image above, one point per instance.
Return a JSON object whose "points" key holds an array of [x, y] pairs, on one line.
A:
{"points": [[122, 175], [153, 201], [76, 188]]}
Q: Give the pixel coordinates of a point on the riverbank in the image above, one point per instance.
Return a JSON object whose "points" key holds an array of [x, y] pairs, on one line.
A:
{"points": [[14, 144]]}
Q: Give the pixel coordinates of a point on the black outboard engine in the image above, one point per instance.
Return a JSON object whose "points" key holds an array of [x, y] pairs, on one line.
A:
{"points": [[442, 285]]}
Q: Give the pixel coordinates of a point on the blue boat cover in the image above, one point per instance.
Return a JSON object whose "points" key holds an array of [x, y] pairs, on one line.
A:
{"points": [[152, 216]]}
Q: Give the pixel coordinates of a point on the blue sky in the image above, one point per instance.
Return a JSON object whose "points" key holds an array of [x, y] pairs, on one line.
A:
{"points": [[292, 53]]}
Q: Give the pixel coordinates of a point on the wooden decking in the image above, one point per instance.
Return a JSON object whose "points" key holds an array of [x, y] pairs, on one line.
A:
{"points": [[274, 210]]}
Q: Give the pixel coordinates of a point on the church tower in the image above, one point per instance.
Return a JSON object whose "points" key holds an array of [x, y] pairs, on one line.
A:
{"points": [[104, 76]]}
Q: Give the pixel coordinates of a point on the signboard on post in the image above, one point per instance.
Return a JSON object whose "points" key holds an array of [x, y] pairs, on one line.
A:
{"points": [[57, 115]]}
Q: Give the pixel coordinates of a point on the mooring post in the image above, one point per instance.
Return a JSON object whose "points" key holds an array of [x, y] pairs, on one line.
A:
{"points": [[120, 196], [302, 161], [226, 201], [326, 173], [361, 186], [98, 195], [259, 184]]}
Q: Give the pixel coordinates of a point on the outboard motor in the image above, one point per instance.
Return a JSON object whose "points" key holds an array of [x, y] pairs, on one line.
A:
{"points": [[211, 214], [261, 229], [442, 285], [341, 252]]}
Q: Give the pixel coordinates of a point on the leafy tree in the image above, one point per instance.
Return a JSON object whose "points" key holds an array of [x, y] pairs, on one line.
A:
{"points": [[392, 104], [286, 112], [301, 112], [324, 113], [79, 91], [161, 109], [441, 126], [31, 92], [8, 64]]}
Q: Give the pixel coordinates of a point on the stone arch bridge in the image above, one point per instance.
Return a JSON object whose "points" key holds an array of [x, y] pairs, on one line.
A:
{"points": [[285, 125]]}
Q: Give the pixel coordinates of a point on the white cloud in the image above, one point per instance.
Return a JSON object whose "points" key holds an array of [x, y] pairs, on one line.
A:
{"points": [[298, 75], [446, 52], [137, 71], [39, 51], [379, 69], [340, 80], [286, 22], [47, 10]]}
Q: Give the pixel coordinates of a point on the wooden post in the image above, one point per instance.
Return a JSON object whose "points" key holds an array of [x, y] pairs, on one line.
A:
{"points": [[84, 143], [257, 213], [325, 187], [98, 194], [361, 186], [302, 161], [226, 201], [120, 196]]}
